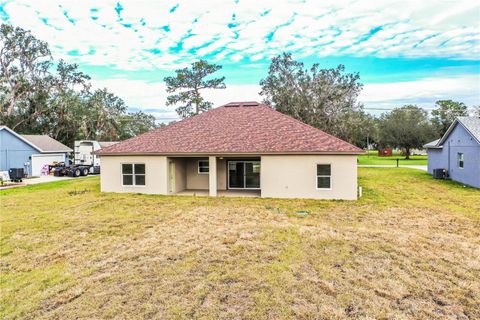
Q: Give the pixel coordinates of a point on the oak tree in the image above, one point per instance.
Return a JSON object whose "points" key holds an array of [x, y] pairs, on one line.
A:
{"points": [[323, 98], [445, 113], [407, 128]]}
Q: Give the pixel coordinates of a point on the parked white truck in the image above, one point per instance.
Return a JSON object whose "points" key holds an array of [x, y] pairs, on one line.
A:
{"points": [[85, 161], [84, 153]]}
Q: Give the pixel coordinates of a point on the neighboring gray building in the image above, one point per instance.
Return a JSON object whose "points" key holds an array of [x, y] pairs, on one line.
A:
{"points": [[458, 151], [30, 152]]}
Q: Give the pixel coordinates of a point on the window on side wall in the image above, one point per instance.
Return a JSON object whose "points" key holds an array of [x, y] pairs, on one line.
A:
{"points": [[203, 167], [133, 174], [460, 160], [324, 176]]}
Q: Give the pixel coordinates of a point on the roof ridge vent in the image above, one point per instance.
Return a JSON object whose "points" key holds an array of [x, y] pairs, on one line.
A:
{"points": [[243, 104]]}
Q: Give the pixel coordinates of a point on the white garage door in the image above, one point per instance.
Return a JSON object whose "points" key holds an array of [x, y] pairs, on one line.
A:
{"points": [[39, 160]]}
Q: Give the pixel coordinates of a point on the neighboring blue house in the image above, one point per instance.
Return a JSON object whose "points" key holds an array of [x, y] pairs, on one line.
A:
{"points": [[30, 152], [458, 151]]}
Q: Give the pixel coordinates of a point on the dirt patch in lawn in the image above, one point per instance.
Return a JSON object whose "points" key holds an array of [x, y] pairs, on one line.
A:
{"points": [[71, 255]]}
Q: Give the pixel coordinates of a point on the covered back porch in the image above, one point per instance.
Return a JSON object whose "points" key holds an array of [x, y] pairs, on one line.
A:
{"points": [[214, 176]]}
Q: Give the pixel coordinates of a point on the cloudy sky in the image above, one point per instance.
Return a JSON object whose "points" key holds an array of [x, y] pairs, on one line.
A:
{"points": [[406, 51]]}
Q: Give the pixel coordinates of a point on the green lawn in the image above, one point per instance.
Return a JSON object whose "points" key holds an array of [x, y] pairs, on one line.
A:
{"points": [[409, 249], [372, 158]]}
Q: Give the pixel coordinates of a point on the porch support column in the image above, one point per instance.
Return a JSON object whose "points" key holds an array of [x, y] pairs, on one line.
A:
{"points": [[212, 175]]}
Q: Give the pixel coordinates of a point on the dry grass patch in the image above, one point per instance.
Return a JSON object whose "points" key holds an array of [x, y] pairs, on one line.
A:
{"points": [[408, 250]]}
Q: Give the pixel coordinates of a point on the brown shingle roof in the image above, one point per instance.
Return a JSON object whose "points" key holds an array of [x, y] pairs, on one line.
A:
{"points": [[240, 127]]}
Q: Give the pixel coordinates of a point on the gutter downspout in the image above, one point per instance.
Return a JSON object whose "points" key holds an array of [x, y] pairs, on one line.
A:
{"points": [[448, 172]]}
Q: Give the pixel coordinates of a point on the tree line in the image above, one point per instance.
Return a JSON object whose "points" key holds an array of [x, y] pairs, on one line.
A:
{"points": [[38, 96], [326, 99]]}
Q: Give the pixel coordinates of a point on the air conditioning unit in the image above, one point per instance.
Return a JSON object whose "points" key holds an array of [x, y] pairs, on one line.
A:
{"points": [[439, 173]]}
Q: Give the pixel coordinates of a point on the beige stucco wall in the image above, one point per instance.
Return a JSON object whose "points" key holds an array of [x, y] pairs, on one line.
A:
{"points": [[295, 176], [281, 176], [198, 181], [180, 175], [155, 174], [221, 174]]}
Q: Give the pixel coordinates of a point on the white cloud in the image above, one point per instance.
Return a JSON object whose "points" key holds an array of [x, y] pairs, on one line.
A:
{"points": [[423, 92], [310, 27], [136, 93]]}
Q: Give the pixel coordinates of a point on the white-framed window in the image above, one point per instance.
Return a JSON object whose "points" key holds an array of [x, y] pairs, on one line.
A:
{"points": [[460, 160], [203, 167], [133, 174], [324, 176]]}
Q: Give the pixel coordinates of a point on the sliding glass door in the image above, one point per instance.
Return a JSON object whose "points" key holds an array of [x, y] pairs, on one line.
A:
{"points": [[252, 175], [244, 174], [235, 175]]}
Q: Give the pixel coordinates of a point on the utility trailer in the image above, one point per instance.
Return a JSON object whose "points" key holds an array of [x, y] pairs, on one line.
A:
{"points": [[85, 161], [73, 170]]}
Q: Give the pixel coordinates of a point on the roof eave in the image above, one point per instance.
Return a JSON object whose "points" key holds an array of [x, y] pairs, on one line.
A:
{"points": [[192, 154], [450, 129], [57, 151], [22, 138]]}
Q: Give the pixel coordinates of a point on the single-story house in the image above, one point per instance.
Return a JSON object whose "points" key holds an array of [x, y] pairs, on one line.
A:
{"points": [[30, 152], [238, 148], [458, 151]]}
